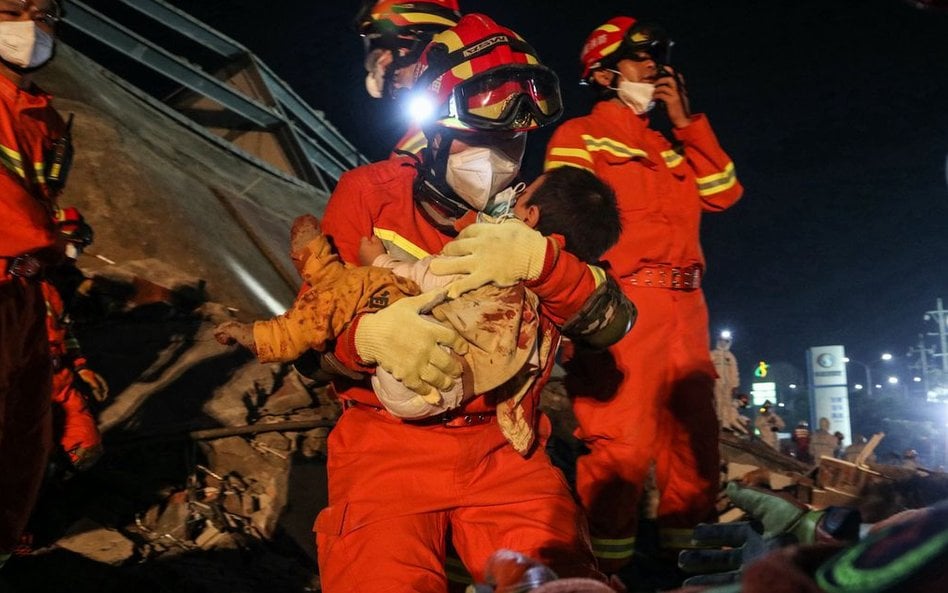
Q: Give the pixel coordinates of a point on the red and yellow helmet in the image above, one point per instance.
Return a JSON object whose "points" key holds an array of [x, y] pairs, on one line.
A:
{"points": [[406, 18], [622, 37], [482, 76], [72, 226]]}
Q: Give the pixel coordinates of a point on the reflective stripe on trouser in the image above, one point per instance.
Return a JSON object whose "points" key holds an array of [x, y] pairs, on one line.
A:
{"points": [[395, 488], [649, 398], [613, 549], [25, 388], [671, 538]]}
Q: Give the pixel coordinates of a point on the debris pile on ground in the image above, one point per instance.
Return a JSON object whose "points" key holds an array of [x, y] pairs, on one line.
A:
{"points": [[202, 444]]}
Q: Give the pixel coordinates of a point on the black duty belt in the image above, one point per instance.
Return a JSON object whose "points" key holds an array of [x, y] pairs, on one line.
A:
{"points": [[671, 277], [21, 266]]}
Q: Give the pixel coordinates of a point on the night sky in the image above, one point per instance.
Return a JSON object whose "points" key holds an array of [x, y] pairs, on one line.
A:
{"points": [[835, 113]]}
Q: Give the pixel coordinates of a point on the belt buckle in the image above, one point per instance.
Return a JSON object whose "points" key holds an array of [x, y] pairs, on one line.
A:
{"points": [[691, 277], [24, 266]]}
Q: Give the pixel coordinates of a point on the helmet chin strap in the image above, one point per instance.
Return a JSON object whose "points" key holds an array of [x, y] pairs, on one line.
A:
{"points": [[431, 181], [399, 62]]}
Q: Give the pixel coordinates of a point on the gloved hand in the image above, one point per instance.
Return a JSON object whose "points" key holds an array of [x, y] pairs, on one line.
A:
{"points": [[504, 254], [780, 515], [406, 345], [98, 388], [234, 332], [737, 546]]}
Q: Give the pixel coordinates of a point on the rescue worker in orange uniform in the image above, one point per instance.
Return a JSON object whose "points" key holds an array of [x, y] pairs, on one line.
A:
{"points": [[662, 409], [34, 152], [395, 486], [499, 324], [394, 33], [75, 428]]}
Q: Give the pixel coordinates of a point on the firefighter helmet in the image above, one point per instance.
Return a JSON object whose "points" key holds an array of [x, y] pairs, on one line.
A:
{"points": [[482, 76], [73, 227], [402, 29], [623, 37], [406, 18]]}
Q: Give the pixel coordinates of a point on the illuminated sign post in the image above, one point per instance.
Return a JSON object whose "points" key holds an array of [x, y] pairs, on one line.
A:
{"points": [[829, 394], [762, 392]]}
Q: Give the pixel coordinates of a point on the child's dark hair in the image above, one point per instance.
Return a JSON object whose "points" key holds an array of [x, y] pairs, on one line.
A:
{"points": [[582, 208]]}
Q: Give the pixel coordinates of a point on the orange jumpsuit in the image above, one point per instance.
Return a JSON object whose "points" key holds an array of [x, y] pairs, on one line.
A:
{"points": [[28, 127], [396, 486], [650, 398]]}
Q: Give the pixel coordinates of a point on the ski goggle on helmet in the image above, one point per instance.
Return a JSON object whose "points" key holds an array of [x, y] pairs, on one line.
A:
{"points": [[481, 76], [624, 38]]}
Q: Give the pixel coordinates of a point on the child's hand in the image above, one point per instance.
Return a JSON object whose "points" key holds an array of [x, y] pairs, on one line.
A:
{"points": [[234, 332], [369, 249]]}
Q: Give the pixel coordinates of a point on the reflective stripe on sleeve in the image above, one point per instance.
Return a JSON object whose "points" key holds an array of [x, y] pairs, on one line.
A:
{"points": [[718, 182], [672, 158], [400, 242], [599, 275], [613, 147]]}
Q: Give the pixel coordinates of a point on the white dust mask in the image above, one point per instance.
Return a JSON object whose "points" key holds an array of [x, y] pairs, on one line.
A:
{"points": [[478, 172], [636, 95], [24, 44]]}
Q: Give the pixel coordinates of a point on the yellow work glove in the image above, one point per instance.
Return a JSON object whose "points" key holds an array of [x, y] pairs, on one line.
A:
{"points": [[406, 345], [97, 385], [505, 254]]}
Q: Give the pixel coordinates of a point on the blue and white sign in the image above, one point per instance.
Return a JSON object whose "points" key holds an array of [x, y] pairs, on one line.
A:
{"points": [[829, 394]]}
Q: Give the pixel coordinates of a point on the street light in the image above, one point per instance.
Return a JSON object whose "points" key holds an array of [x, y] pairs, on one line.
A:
{"points": [[869, 385]]}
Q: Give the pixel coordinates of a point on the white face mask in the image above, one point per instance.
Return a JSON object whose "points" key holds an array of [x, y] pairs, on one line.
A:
{"points": [[478, 172], [636, 95], [24, 44], [72, 252]]}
